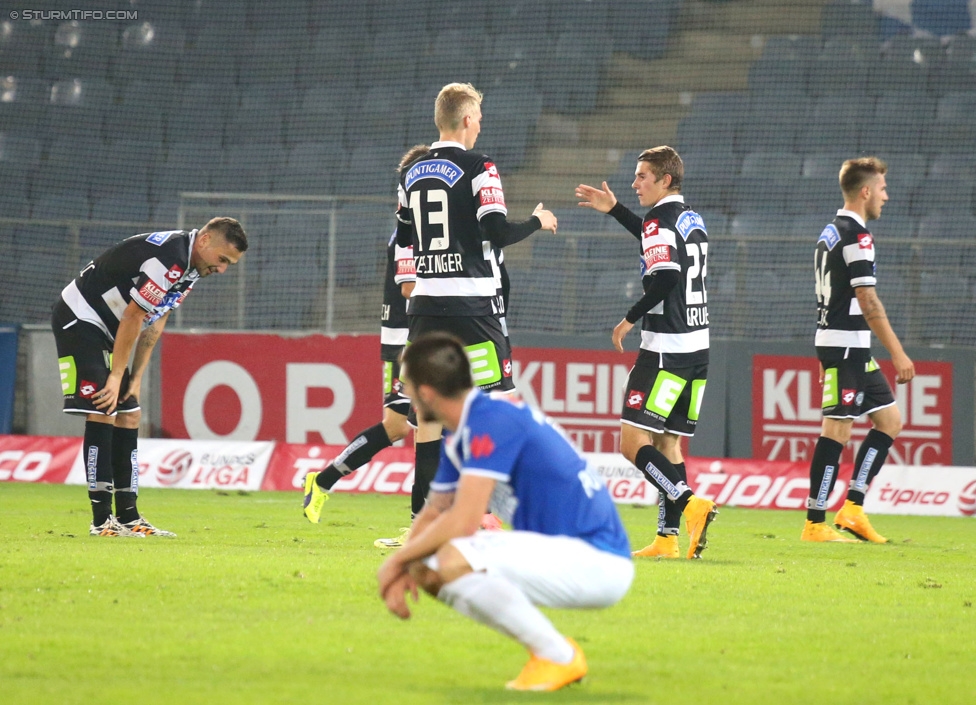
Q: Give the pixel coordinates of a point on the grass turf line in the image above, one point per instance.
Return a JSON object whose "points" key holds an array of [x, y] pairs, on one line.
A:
{"points": [[252, 604]]}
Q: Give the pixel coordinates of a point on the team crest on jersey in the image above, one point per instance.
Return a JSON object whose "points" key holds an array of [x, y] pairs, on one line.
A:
{"points": [[847, 396], [635, 399], [482, 446], [865, 241], [443, 169], [688, 221], [86, 389], [161, 237], [829, 236], [650, 228]]}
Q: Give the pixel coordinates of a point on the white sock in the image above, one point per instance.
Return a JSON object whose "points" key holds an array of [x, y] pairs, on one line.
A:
{"points": [[497, 603]]}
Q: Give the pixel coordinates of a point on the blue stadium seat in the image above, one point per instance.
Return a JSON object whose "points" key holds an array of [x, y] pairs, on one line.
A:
{"points": [[530, 17], [778, 74], [773, 121], [815, 195], [891, 228], [44, 267], [247, 168], [60, 206], [642, 27], [509, 117], [390, 48], [123, 168], [512, 62], [772, 165], [949, 195], [149, 51], [23, 102], [958, 70], [582, 16], [705, 133], [379, 113], [347, 18], [311, 167], [371, 170], [290, 16], [121, 208], [709, 177], [81, 49], [759, 224], [961, 166], [320, 116], [455, 55], [849, 20], [331, 55], [808, 226], [942, 17], [411, 16], [199, 112], [187, 167], [572, 69], [957, 226], [255, 122], [467, 16], [835, 122], [824, 165], [271, 55], [77, 107], [840, 68], [22, 46], [212, 60]]}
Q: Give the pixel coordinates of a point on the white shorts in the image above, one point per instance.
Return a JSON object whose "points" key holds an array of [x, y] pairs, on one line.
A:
{"points": [[552, 571]]}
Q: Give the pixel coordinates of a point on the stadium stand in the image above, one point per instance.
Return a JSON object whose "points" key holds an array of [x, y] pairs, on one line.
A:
{"points": [[307, 106]]}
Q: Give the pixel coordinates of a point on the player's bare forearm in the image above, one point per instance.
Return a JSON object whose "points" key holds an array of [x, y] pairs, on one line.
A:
{"points": [[877, 319], [145, 344]]}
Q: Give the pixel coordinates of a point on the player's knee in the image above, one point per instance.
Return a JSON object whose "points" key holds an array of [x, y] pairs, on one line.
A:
{"points": [[395, 425], [129, 420], [890, 426]]}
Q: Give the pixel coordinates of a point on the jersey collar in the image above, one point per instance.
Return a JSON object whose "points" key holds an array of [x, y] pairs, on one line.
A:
{"points": [[673, 198], [853, 216], [191, 272], [448, 143]]}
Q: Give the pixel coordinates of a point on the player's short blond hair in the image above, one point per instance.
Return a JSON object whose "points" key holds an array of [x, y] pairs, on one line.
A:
{"points": [[454, 102], [412, 155], [665, 160], [854, 173]]}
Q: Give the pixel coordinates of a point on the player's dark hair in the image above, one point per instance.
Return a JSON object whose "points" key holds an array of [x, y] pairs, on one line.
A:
{"points": [[231, 230], [412, 155], [438, 360], [856, 172], [665, 160]]}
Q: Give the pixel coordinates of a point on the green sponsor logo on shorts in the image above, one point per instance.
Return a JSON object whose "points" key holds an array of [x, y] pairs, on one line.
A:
{"points": [[69, 374], [872, 366], [485, 368], [664, 395], [830, 396], [697, 394], [387, 377]]}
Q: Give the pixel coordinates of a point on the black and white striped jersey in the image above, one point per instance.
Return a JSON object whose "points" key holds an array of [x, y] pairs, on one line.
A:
{"points": [[152, 269], [843, 261], [673, 237], [393, 322], [442, 197]]}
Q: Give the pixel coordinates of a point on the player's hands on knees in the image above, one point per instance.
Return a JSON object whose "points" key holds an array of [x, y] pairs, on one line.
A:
{"points": [[545, 217], [620, 332], [135, 386], [599, 199], [904, 368], [107, 397]]}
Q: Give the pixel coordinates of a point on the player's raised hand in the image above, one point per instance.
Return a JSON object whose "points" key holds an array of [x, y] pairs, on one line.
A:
{"points": [[545, 217], [599, 199]]}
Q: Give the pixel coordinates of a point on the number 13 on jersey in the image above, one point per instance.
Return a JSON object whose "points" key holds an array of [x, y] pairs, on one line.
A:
{"points": [[433, 218]]}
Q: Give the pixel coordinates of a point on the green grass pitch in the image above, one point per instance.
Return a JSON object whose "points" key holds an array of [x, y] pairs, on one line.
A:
{"points": [[252, 604]]}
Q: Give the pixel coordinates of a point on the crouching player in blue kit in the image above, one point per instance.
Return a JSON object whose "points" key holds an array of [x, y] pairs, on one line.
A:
{"points": [[568, 548]]}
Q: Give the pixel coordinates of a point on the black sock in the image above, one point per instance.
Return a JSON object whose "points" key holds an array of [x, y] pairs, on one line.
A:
{"points": [[823, 475], [870, 457], [125, 469], [669, 516], [360, 451], [428, 456], [662, 474], [98, 469]]}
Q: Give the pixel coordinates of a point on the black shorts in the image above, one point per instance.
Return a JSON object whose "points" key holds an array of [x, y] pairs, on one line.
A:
{"points": [[393, 397], [485, 341], [84, 362], [664, 401], [854, 388]]}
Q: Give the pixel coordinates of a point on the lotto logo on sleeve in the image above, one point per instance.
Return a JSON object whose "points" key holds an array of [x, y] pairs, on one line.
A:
{"points": [[635, 399], [865, 241], [507, 367], [491, 169], [86, 389], [152, 293], [847, 396], [650, 228], [174, 273], [492, 196]]}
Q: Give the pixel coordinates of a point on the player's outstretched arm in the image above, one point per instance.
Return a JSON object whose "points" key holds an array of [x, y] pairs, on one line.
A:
{"points": [[599, 199], [877, 319]]}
